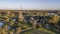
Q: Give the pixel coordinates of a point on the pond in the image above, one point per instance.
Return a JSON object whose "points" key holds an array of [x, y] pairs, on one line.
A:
{"points": [[1, 24]]}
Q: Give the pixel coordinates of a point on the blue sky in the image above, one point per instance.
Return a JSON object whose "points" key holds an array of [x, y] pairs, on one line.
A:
{"points": [[30, 4]]}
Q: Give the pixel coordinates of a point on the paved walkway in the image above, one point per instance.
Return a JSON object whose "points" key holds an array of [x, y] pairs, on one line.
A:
{"points": [[34, 32]]}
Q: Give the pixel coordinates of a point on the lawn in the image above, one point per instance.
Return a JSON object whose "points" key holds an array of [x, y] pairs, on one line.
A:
{"points": [[39, 31]]}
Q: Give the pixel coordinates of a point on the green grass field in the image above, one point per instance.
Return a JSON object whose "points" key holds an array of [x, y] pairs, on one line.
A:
{"points": [[39, 31]]}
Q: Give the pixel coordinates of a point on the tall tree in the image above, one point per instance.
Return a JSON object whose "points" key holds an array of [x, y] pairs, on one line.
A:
{"points": [[54, 19]]}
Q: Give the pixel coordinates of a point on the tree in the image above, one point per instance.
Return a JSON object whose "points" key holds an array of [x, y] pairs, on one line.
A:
{"points": [[18, 30], [20, 17], [11, 23], [54, 19], [5, 27], [1, 16], [12, 15], [10, 32], [7, 18], [3, 31]]}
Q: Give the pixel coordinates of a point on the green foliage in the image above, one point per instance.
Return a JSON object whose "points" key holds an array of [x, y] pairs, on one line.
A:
{"points": [[1, 16], [12, 15], [23, 25], [46, 31], [11, 22], [18, 25], [39, 31], [54, 19]]}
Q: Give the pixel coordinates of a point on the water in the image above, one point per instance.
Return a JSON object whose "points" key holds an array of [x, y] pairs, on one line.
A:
{"points": [[1, 24]]}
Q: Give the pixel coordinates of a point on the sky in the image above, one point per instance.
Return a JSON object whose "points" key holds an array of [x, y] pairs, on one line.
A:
{"points": [[30, 4]]}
